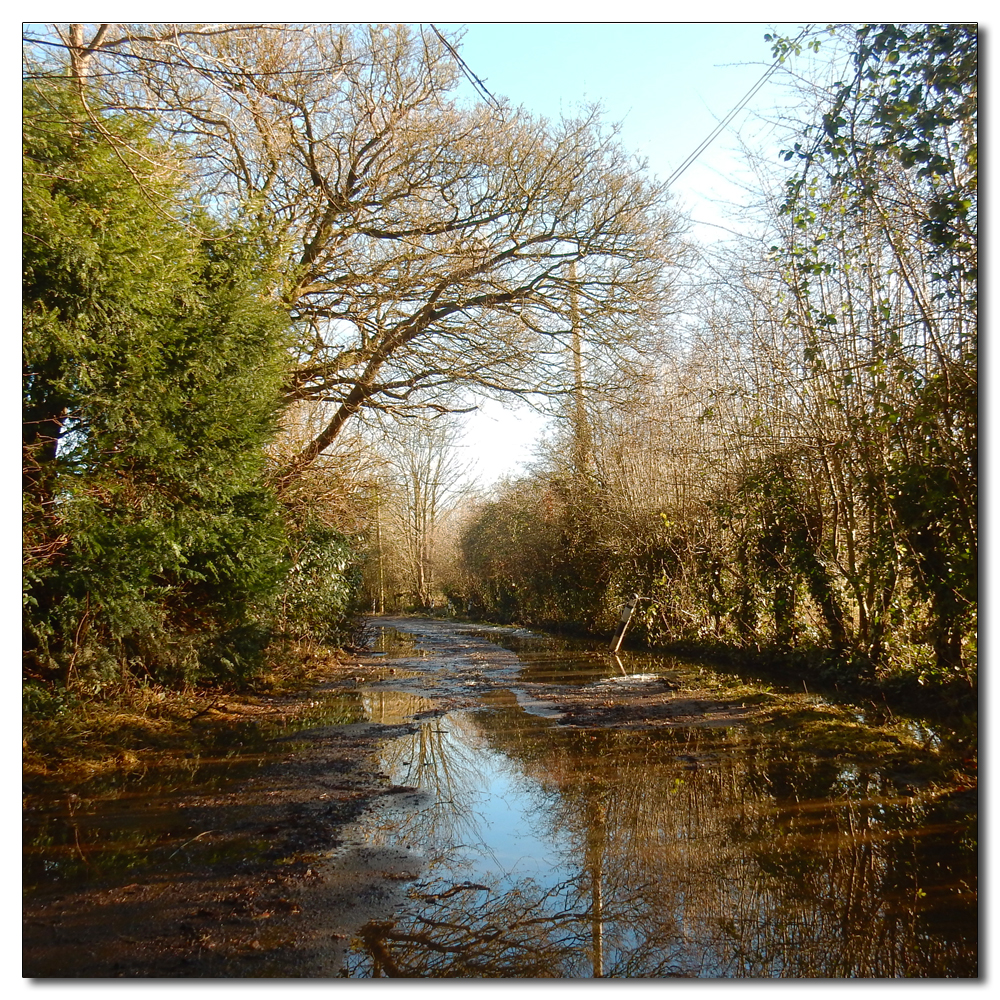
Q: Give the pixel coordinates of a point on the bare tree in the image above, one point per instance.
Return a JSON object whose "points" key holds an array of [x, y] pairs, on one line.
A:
{"points": [[424, 245], [427, 476]]}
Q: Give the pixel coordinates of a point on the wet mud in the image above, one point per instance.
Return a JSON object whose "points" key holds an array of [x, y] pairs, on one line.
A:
{"points": [[481, 802]]}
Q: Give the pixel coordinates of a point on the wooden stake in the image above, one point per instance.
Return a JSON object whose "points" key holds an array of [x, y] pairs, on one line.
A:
{"points": [[627, 610]]}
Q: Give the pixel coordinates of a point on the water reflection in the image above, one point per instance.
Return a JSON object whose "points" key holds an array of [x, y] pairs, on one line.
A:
{"points": [[391, 642], [127, 822], [707, 853], [474, 815], [539, 658]]}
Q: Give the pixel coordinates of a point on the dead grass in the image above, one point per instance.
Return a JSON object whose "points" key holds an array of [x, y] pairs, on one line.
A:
{"points": [[130, 727]]}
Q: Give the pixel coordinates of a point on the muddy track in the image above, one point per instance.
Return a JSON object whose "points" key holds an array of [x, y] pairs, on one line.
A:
{"points": [[261, 863], [239, 881]]}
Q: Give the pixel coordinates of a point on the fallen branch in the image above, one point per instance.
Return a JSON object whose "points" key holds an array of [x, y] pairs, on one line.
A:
{"points": [[205, 833], [204, 710]]}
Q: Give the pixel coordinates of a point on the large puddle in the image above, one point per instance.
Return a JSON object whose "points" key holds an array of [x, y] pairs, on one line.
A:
{"points": [[543, 849], [692, 852]]}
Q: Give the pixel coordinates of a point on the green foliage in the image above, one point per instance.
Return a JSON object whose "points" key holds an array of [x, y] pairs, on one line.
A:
{"points": [[883, 224], [153, 363], [913, 100], [541, 555], [934, 486], [322, 584]]}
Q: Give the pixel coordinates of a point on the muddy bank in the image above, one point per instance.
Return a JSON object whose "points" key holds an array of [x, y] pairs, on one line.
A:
{"points": [[259, 864], [227, 869], [226, 880]]}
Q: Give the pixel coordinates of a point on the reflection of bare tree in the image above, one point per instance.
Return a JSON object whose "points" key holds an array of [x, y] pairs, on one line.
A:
{"points": [[596, 844], [392, 707], [722, 855], [446, 757], [692, 852], [486, 932], [521, 933], [389, 640]]}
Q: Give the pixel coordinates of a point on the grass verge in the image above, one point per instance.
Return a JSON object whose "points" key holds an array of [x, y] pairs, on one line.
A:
{"points": [[70, 736]]}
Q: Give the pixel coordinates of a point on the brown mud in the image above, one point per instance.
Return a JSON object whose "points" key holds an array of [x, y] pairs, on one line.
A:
{"points": [[248, 869]]}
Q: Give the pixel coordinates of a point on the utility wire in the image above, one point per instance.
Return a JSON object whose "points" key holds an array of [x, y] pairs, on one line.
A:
{"points": [[732, 114], [463, 65]]}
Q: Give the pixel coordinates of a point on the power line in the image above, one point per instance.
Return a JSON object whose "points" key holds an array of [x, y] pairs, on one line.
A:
{"points": [[732, 114], [463, 65]]}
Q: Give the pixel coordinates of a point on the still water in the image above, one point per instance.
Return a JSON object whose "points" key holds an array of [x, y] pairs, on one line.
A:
{"points": [[815, 845], [692, 852]]}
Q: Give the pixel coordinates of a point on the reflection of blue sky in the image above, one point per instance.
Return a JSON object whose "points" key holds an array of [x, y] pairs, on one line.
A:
{"points": [[496, 815], [506, 810]]}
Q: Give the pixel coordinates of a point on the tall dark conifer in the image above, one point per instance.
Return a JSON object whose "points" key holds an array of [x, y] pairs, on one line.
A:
{"points": [[153, 363]]}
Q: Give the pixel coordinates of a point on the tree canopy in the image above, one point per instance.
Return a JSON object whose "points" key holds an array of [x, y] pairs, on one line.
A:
{"points": [[230, 223], [427, 246]]}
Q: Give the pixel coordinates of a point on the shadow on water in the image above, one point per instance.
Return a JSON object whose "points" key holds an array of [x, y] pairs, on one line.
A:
{"points": [[127, 822], [720, 852]]}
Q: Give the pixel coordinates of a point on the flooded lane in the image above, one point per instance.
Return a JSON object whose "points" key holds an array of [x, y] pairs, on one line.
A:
{"points": [[490, 803], [552, 850]]}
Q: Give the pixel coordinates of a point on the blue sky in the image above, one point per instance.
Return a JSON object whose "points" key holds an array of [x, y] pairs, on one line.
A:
{"points": [[669, 85]]}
